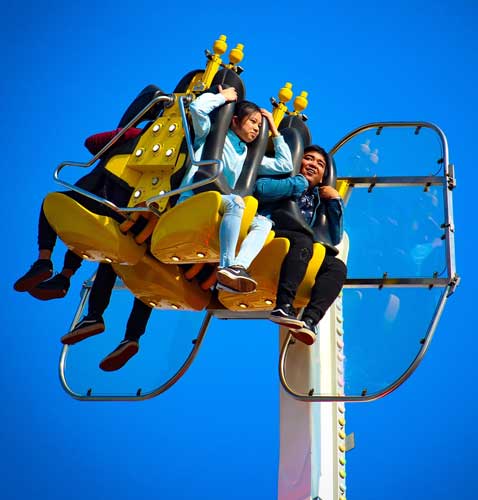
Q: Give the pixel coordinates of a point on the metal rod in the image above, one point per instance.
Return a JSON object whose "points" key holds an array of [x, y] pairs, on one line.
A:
{"points": [[396, 282], [99, 199], [200, 163], [448, 205], [394, 181]]}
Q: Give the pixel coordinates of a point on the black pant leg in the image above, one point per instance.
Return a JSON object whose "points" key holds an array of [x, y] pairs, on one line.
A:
{"points": [[72, 261], [138, 320], [294, 266], [46, 234], [327, 286], [101, 290]]}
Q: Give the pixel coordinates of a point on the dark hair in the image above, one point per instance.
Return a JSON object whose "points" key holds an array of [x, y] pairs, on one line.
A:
{"points": [[244, 108], [320, 150]]}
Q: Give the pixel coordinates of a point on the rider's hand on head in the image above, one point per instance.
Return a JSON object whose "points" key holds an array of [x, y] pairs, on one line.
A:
{"points": [[272, 126], [230, 94]]}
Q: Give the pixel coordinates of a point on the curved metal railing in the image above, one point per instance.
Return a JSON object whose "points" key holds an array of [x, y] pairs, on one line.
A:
{"points": [[449, 283]]}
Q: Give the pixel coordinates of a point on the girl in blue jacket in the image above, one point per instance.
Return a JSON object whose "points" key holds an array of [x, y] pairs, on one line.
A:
{"points": [[232, 274]]}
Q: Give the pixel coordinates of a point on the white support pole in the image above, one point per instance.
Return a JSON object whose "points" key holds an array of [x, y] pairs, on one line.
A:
{"points": [[312, 435]]}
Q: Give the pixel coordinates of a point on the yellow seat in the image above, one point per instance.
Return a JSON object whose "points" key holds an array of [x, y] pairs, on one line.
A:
{"points": [[189, 232], [162, 286], [265, 269], [93, 237]]}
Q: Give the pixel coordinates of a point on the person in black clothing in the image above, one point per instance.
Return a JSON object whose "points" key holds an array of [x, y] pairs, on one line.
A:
{"points": [[93, 323], [99, 182], [314, 200], [36, 282]]}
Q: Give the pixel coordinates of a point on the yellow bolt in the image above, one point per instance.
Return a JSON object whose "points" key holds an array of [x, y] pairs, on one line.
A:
{"points": [[301, 102], [220, 45], [236, 55], [285, 93]]}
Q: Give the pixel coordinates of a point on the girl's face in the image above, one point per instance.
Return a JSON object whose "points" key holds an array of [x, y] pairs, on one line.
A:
{"points": [[248, 129]]}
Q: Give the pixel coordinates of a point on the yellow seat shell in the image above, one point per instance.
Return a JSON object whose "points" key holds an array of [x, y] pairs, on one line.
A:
{"points": [[93, 237]]}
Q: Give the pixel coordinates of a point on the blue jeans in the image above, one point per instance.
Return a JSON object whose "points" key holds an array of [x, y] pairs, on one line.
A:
{"points": [[232, 208]]}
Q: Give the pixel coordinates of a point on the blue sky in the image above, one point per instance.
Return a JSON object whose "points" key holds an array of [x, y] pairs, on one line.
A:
{"points": [[70, 70]]}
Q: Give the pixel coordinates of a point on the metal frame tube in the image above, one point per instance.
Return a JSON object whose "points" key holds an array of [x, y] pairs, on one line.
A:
{"points": [[141, 397], [150, 201], [377, 395], [448, 283]]}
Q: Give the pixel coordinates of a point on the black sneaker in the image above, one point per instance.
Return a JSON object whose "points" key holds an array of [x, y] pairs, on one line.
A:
{"points": [[306, 334], [54, 288], [236, 278], [286, 315], [120, 356], [40, 271], [87, 327]]}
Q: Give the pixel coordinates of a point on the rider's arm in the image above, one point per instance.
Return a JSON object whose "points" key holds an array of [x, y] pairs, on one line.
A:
{"points": [[200, 109], [269, 189], [334, 211], [282, 161]]}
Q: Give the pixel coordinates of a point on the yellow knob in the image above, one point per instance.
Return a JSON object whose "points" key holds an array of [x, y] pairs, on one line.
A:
{"points": [[285, 93], [220, 45], [236, 55], [301, 102]]}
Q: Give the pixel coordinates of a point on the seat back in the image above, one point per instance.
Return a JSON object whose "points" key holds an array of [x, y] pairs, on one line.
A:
{"points": [[288, 214], [220, 121], [256, 150], [297, 123], [141, 100], [321, 224]]}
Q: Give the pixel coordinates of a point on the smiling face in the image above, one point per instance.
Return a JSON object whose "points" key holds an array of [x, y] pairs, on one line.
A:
{"points": [[313, 167], [247, 129]]}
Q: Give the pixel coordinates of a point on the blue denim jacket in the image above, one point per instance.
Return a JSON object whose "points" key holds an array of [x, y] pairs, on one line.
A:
{"points": [[270, 192]]}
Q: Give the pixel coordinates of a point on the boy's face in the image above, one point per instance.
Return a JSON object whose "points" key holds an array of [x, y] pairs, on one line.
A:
{"points": [[248, 129], [313, 167]]}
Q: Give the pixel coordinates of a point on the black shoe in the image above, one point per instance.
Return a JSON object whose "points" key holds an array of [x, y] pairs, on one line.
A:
{"points": [[120, 356], [54, 288], [286, 315], [236, 278], [87, 327], [40, 271], [306, 334]]}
